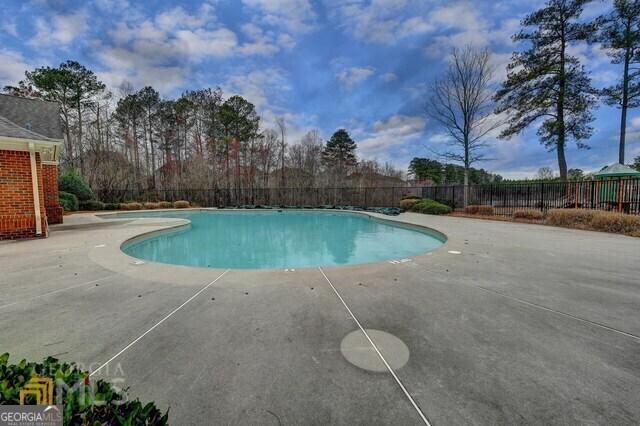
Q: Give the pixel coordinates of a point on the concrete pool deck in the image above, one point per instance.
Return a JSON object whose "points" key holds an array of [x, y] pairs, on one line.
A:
{"points": [[527, 325]]}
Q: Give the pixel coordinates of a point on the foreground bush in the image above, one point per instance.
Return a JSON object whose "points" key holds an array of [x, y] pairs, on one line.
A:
{"points": [[408, 203], [111, 206], [616, 222], [68, 201], [181, 204], [151, 206], [528, 214], [570, 217], [165, 204], [411, 197], [75, 184], [85, 403], [130, 206], [91, 205], [479, 209], [428, 206], [596, 220]]}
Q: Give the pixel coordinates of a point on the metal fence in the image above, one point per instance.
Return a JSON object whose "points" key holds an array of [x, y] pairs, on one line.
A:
{"points": [[300, 197], [615, 195]]}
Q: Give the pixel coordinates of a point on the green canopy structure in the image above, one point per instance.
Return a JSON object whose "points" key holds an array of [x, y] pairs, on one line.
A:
{"points": [[616, 171], [618, 187]]}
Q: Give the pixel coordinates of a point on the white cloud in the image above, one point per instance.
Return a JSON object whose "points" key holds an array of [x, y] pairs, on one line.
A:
{"points": [[12, 67], [10, 28], [163, 79], [260, 43], [267, 90], [296, 16], [635, 122], [179, 18], [60, 29], [201, 43], [111, 5], [380, 21], [388, 77], [349, 77], [258, 86], [396, 130], [463, 26]]}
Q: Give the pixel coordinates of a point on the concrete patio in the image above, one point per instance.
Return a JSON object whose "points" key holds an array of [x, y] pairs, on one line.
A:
{"points": [[527, 325]]}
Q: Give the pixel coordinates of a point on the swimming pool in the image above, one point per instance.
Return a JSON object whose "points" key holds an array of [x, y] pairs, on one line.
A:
{"points": [[279, 239]]}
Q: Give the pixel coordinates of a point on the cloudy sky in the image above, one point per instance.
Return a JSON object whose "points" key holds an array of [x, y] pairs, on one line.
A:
{"points": [[364, 65]]}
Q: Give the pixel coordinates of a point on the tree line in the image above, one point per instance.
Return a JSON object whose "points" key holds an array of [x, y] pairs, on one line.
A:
{"points": [[546, 86], [429, 171], [140, 140]]}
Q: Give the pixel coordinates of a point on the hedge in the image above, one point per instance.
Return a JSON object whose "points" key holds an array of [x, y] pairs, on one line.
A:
{"points": [[595, 219], [91, 205], [181, 204], [408, 203], [428, 206], [528, 214], [68, 201], [479, 209], [75, 184], [107, 406]]}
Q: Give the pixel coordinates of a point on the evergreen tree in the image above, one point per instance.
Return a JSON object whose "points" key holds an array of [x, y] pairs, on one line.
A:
{"points": [[75, 87], [620, 36], [425, 168], [545, 82], [636, 163], [339, 153]]}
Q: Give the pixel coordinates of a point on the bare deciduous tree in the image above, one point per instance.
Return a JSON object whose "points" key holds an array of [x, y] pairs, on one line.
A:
{"points": [[462, 104]]}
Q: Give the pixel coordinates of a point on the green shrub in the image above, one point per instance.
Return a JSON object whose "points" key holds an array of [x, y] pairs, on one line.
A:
{"points": [[111, 206], [91, 205], [428, 206], [165, 204], [75, 184], [408, 203], [181, 204], [108, 406], [151, 206], [69, 202]]}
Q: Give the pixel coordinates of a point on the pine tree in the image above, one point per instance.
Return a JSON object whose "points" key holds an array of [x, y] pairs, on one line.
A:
{"points": [[545, 82], [620, 36], [339, 153]]}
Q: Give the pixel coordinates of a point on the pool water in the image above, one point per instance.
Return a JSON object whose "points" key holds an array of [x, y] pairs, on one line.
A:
{"points": [[279, 239]]}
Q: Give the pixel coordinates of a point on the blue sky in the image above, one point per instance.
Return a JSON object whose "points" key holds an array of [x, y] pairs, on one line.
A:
{"points": [[359, 64]]}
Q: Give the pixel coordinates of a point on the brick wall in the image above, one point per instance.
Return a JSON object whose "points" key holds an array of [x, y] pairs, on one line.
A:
{"points": [[51, 200], [17, 218]]}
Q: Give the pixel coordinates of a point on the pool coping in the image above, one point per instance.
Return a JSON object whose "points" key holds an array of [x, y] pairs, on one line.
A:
{"points": [[139, 227]]}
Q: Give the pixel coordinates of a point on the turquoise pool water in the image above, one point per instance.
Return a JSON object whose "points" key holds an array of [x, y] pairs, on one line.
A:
{"points": [[273, 239]]}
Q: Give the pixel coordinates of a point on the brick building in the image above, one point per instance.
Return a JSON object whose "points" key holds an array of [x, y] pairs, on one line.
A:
{"points": [[30, 140]]}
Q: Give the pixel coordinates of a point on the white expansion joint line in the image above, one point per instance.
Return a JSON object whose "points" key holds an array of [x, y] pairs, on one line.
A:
{"points": [[157, 324], [404, 389]]}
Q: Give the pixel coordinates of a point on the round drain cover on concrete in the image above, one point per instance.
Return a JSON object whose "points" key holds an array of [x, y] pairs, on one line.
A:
{"points": [[358, 350]]}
